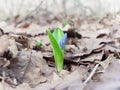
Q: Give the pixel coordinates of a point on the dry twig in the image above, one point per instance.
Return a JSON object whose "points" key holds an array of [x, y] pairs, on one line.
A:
{"points": [[92, 73]]}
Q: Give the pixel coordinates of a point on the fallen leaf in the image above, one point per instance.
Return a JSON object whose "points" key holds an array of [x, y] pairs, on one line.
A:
{"points": [[13, 47], [4, 44], [106, 62]]}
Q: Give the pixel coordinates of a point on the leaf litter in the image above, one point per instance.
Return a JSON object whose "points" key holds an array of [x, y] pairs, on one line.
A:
{"points": [[91, 61]]}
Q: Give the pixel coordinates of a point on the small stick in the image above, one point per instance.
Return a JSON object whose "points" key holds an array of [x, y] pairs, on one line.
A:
{"points": [[3, 80], [92, 73]]}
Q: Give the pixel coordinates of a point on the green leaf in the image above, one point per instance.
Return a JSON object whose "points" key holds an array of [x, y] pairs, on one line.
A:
{"points": [[57, 51], [58, 34]]}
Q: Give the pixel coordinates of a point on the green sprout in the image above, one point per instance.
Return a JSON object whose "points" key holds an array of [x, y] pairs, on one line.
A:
{"points": [[39, 43], [58, 40], [64, 22]]}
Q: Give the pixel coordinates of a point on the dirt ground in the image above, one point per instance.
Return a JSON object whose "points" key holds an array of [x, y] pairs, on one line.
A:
{"points": [[91, 60]]}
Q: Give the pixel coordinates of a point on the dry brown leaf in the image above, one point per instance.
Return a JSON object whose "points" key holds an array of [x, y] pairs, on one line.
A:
{"points": [[86, 46], [13, 48], [93, 57], [111, 48], [109, 80], [36, 66], [71, 82], [106, 62], [94, 34], [4, 44]]}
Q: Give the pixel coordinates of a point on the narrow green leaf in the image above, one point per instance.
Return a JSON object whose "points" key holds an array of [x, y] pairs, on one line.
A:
{"points": [[58, 34], [57, 51]]}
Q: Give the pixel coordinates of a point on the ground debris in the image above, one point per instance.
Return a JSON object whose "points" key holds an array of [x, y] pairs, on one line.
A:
{"points": [[91, 59]]}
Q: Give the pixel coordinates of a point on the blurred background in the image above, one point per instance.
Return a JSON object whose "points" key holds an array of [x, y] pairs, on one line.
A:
{"points": [[10, 9]]}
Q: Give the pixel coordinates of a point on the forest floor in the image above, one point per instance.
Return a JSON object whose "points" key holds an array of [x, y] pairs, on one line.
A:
{"points": [[91, 60]]}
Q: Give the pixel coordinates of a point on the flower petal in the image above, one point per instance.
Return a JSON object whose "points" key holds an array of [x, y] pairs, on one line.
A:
{"points": [[63, 41]]}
